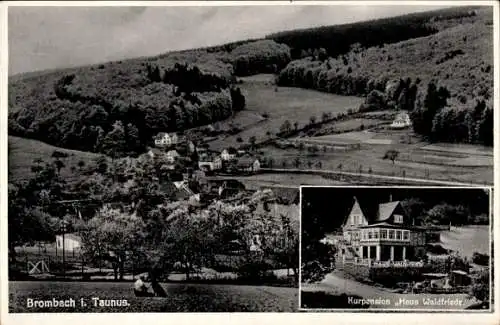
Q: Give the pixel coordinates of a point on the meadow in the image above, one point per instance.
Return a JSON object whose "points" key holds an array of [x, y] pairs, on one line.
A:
{"points": [[23, 152], [276, 105], [364, 151], [181, 297]]}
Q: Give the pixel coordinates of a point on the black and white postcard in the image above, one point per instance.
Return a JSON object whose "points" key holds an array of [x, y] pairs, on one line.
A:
{"points": [[156, 154], [396, 248]]}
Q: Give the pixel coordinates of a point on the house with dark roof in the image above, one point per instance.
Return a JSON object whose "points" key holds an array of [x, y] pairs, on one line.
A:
{"points": [[381, 233], [248, 164]]}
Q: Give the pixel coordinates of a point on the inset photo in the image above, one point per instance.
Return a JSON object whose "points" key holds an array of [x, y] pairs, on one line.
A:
{"points": [[396, 248]]}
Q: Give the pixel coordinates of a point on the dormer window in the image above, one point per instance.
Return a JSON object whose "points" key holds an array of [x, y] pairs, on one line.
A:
{"points": [[398, 218]]}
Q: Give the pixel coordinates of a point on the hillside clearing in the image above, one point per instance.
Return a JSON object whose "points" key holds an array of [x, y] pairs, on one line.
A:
{"points": [[286, 103], [23, 152]]}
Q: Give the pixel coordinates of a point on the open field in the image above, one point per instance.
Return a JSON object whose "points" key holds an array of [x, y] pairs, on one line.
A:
{"points": [[364, 151], [287, 103], [467, 240], [280, 179], [23, 152], [181, 297]]}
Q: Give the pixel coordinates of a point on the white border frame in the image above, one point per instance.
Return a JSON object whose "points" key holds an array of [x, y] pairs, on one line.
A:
{"points": [[407, 310], [226, 318]]}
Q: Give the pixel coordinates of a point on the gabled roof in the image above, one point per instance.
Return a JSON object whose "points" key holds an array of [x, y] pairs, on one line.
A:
{"points": [[385, 210], [173, 191], [245, 161], [374, 213]]}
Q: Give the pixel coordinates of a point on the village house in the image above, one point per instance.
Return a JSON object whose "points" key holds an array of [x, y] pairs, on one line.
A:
{"points": [[163, 139], [228, 154], [191, 146], [72, 242], [248, 165], [172, 156], [401, 121], [210, 162], [380, 234]]}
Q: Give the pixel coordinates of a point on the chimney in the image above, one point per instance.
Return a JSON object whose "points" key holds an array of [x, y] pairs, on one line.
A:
{"points": [[390, 197]]}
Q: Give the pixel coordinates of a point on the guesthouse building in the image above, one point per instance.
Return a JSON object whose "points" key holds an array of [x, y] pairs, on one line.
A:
{"points": [[381, 234]]}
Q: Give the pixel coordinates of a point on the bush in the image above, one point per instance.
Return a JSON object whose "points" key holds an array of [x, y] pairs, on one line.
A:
{"points": [[481, 259], [376, 100], [481, 287]]}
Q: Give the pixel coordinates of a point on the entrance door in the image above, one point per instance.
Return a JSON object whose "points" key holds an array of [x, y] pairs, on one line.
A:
{"points": [[398, 253]]}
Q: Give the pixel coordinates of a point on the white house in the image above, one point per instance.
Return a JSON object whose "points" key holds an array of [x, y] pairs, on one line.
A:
{"points": [[171, 156], [163, 139], [72, 242], [228, 154], [210, 163], [401, 121]]}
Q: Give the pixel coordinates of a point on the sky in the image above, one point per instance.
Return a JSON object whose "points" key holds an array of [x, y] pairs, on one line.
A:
{"points": [[57, 37]]}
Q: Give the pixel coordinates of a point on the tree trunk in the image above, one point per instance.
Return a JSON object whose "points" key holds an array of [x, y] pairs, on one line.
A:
{"points": [[187, 271], [12, 252], [115, 270], [121, 265]]}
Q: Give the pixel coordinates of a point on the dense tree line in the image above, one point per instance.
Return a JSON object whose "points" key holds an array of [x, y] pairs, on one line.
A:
{"points": [[187, 79], [337, 40], [427, 104], [439, 122], [118, 120], [264, 56]]}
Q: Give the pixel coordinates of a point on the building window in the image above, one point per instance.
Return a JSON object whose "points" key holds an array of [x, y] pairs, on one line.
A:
{"points": [[398, 234], [383, 234], [370, 234], [365, 235], [375, 234], [406, 235], [391, 234], [398, 218]]}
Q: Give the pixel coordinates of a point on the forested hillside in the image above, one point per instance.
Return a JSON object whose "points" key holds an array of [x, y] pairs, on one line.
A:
{"points": [[338, 39], [115, 108], [445, 79]]}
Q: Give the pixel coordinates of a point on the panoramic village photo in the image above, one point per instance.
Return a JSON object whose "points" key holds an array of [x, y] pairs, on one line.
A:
{"points": [[396, 248], [156, 154]]}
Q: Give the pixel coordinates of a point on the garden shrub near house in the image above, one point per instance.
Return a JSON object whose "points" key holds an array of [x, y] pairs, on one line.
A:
{"points": [[481, 259], [480, 288]]}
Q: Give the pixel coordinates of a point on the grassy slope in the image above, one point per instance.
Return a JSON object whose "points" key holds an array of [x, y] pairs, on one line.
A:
{"points": [[295, 105], [22, 153], [467, 240]]}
